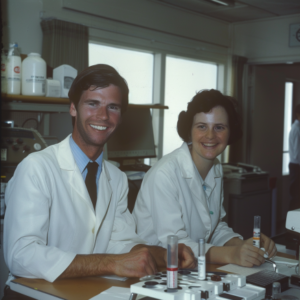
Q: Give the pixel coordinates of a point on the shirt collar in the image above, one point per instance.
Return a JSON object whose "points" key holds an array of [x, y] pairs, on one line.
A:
{"points": [[81, 158]]}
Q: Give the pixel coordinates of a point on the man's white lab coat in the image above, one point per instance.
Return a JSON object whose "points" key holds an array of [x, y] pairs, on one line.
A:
{"points": [[172, 201], [50, 217]]}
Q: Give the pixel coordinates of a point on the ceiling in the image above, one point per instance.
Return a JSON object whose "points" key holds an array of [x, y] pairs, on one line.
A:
{"points": [[242, 10]]}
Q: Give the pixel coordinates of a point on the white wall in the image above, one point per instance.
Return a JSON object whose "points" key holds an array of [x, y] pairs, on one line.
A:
{"points": [[265, 41], [24, 20], [23, 25]]}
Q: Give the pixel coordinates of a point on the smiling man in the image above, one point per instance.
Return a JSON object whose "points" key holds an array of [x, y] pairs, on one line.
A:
{"points": [[67, 210]]}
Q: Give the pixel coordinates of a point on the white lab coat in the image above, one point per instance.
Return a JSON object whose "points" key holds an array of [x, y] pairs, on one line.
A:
{"points": [[50, 217], [172, 201]]}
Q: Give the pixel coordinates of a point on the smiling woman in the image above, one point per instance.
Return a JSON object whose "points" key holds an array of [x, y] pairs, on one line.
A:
{"points": [[183, 193]]}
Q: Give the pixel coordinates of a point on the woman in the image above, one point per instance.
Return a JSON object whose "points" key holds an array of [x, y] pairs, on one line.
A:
{"points": [[183, 193]]}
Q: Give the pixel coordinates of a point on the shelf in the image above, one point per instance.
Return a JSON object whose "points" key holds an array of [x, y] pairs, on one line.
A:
{"points": [[20, 100]]}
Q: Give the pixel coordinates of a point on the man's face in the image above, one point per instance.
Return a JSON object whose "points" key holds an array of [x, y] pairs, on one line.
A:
{"points": [[97, 116]]}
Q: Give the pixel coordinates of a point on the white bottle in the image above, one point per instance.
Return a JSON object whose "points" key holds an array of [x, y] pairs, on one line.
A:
{"points": [[3, 71], [13, 70], [33, 75]]}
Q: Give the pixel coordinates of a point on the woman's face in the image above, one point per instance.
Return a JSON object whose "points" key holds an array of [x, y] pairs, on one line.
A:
{"points": [[210, 134]]}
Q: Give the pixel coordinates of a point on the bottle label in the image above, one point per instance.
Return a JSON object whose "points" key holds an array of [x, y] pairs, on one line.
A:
{"points": [[256, 237], [36, 79], [3, 154], [172, 278], [201, 268], [17, 69]]}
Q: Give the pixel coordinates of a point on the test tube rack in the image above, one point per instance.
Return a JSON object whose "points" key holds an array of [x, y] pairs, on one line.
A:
{"points": [[233, 287]]}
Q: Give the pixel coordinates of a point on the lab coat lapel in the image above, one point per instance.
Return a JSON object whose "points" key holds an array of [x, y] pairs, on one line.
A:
{"points": [[200, 199], [188, 171], [72, 174], [104, 196]]}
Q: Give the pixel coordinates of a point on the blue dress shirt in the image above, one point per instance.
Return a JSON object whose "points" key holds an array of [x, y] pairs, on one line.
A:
{"points": [[82, 160]]}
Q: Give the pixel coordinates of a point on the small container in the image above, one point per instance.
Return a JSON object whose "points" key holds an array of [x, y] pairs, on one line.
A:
{"points": [[3, 71], [201, 260], [52, 88], [172, 263], [33, 75], [13, 72], [2, 203], [256, 231], [65, 74]]}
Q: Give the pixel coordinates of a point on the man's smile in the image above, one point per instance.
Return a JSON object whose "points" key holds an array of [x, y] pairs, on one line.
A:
{"points": [[98, 127]]}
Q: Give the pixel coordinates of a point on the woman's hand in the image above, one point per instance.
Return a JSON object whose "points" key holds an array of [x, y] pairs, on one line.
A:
{"points": [[247, 255]]}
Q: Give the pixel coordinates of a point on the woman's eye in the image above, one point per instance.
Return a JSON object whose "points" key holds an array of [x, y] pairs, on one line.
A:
{"points": [[219, 128], [202, 127]]}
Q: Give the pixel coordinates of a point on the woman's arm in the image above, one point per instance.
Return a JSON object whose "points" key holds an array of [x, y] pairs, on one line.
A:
{"points": [[241, 252]]}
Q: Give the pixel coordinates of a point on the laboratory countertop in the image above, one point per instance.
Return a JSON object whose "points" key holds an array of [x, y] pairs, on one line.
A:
{"points": [[88, 287]]}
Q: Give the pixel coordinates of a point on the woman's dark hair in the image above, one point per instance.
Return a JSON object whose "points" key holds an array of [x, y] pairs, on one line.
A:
{"points": [[205, 101], [100, 76]]}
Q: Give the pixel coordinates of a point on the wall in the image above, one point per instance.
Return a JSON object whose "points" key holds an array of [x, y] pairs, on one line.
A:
{"points": [[265, 41], [23, 25], [132, 16], [267, 119]]}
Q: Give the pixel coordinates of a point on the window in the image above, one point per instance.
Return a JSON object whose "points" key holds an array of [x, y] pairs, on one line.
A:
{"points": [[184, 78], [135, 66], [288, 101], [143, 71]]}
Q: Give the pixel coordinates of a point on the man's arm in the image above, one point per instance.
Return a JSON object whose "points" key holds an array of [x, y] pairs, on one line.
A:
{"points": [[138, 262], [142, 260]]}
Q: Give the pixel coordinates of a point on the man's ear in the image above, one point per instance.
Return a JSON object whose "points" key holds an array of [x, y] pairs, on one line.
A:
{"points": [[73, 111]]}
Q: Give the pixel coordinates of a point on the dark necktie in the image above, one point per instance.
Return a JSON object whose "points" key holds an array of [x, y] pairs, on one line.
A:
{"points": [[90, 181]]}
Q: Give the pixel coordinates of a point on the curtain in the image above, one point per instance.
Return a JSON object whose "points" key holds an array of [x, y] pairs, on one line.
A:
{"points": [[238, 64], [65, 43]]}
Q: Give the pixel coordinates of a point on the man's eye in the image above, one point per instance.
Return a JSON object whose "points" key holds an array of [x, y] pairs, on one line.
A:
{"points": [[92, 104], [114, 107]]}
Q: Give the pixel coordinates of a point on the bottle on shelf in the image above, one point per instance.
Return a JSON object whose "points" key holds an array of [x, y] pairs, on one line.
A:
{"points": [[13, 70], [33, 75], [3, 71]]}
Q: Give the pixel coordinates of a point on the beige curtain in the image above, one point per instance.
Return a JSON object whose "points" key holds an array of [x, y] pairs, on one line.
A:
{"points": [[65, 43], [238, 64]]}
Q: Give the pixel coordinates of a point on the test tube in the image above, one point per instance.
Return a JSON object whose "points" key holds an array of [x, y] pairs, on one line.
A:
{"points": [[172, 267], [201, 260], [256, 232]]}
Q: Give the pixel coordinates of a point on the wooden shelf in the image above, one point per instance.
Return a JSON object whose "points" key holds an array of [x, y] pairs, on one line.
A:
{"points": [[50, 100]]}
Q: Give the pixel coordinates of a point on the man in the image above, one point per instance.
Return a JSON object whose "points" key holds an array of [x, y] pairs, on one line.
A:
{"points": [[294, 165], [67, 209]]}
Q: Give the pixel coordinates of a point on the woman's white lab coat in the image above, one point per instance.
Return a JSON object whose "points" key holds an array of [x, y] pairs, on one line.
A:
{"points": [[172, 201], [50, 217]]}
